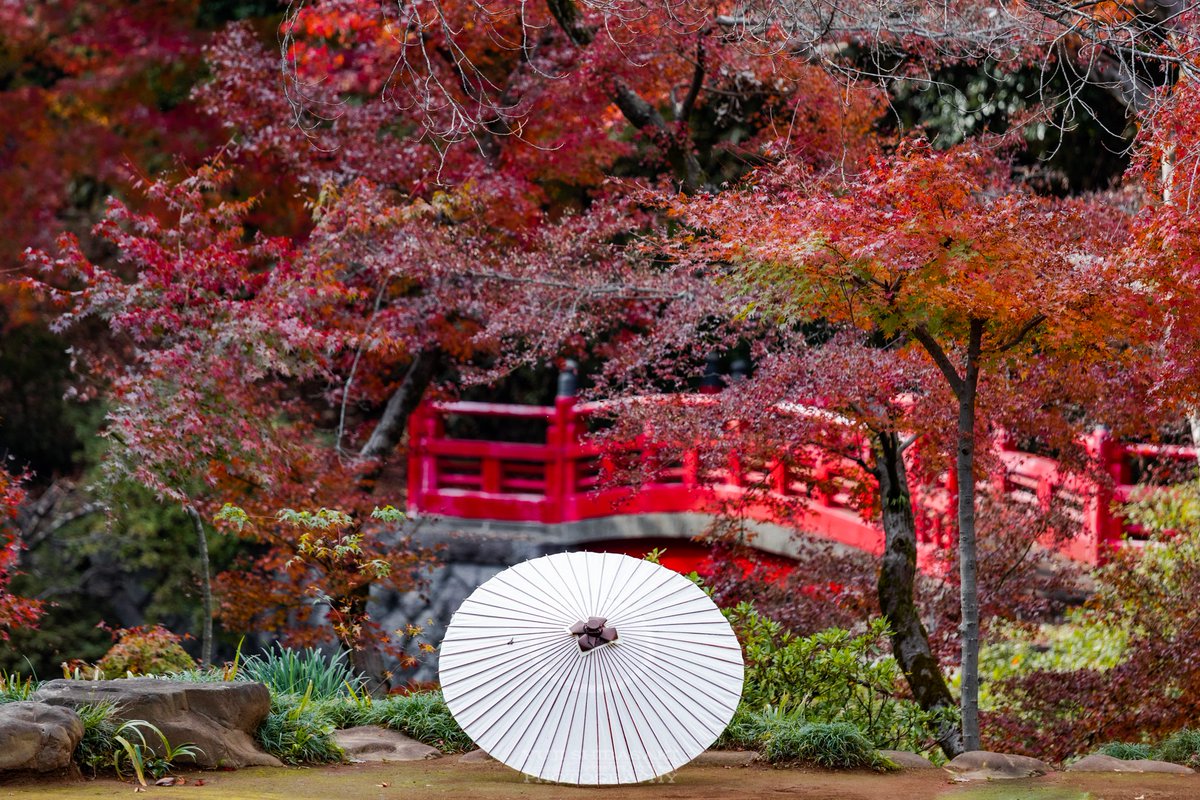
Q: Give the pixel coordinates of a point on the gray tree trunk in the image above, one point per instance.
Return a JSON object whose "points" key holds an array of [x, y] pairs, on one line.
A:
{"points": [[967, 550], [897, 576], [206, 599], [965, 387], [390, 428], [426, 365]]}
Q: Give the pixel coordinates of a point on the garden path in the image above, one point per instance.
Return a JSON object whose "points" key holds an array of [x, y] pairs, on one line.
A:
{"points": [[446, 779]]}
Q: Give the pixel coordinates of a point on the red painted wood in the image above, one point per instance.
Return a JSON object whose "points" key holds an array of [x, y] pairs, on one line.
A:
{"points": [[568, 479]]}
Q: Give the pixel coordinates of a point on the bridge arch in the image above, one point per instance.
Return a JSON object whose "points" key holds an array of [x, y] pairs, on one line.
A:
{"points": [[491, 503]]}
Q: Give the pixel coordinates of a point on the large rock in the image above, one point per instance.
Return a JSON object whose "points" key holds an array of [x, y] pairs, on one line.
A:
{"points": [[983, 765], [1098, 762], [375, 743], [37, 737], [218, 718]]}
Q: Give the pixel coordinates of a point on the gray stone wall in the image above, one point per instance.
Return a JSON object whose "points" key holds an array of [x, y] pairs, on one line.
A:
{"points": [[472, 551]]}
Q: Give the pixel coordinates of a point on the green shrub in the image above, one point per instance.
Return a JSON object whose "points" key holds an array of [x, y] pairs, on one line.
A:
{"points": [[1081, 642], [1127, 751], [425, 717], [831, 676], [288, 671], [297, 731], [1181, 747], [151, 650]]}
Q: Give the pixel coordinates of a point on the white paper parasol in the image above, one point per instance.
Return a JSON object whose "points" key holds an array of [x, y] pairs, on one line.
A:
{"points": [[591, 668]]}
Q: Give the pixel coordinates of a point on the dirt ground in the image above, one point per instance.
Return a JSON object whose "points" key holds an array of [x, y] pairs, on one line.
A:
{"points": [[446, 778]]}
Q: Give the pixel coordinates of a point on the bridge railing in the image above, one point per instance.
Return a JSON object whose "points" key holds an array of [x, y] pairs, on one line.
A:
{"points": [[569, 476]]}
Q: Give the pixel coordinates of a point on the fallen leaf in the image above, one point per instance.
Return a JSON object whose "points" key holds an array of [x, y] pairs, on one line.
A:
{"points": [[382, 785], [199, 781]]}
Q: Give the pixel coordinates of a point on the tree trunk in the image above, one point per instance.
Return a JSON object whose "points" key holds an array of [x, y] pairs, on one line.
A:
{"points": [[967, 551], [965, 387], [400, 405], [367, 658], [206, 600], [897, 575]]}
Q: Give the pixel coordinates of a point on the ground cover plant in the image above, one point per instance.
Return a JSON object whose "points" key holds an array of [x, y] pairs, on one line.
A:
{"points": [[832, 697], [423, 716], [298, 731], [15, 686]]}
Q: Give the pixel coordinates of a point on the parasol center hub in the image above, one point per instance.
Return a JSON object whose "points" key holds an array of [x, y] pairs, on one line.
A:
{"points": [[593, 632]]}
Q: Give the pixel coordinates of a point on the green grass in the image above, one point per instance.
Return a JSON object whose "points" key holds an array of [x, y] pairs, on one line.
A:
{"points": [[785, 737], [1181, 747], [746, 730], [97, 748], [422, 715], [14, 687], [1126, 751], [834, 745], [297, 732], [288, 671]]}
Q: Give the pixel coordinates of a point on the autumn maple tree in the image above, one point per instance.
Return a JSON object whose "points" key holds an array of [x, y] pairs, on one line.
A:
{"points": [[935, 252], [438, 239]]}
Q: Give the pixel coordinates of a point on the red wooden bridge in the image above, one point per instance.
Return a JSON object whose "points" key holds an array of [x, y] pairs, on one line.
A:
{"points": [[568, 477]]}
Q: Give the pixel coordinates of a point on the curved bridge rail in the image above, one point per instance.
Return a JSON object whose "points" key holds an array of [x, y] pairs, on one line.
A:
{"points": [[567, 477]]}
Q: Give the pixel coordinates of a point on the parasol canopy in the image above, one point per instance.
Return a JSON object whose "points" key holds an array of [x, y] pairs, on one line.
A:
{"points": [[591, 668]]}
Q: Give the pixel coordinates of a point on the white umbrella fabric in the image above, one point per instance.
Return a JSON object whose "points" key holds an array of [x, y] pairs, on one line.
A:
{"points": [[591, 668]]}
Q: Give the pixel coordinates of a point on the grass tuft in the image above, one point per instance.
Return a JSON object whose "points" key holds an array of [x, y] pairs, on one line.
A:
{"points": [[14, 687], [297, 731], [1181, 747], [98, 746], [1126, 751], [422, 715], [288, 671], [834, 745]]}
